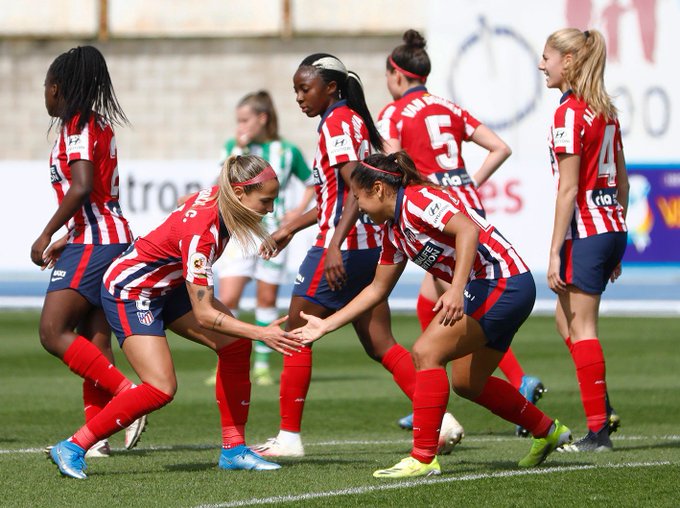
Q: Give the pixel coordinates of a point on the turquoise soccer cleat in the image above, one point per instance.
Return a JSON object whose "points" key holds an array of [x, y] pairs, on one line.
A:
{"points": [[242, 457], [70, 459]]}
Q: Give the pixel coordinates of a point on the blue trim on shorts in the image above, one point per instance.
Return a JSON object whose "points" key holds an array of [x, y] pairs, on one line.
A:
{"points": [[506, 314], [65, 269], [360, 267], [145, 317], [593, 260]]}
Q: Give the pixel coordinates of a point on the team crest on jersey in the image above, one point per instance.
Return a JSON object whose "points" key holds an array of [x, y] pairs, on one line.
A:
{"points": [[198, 265], [428, 255], [410, 235]]}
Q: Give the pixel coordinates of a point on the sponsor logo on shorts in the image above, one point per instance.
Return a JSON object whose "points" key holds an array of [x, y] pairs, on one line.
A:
{"points": [[299, 278], [469, 295], [58, 275], [428, 255]]}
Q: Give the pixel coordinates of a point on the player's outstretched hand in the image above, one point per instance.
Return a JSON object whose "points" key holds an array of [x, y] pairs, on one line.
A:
{"points": [[279, 340], [313, 330], [616, 273]]}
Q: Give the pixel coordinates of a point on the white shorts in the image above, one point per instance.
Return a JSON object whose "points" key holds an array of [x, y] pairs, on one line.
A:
{"points": [[234, 263]]}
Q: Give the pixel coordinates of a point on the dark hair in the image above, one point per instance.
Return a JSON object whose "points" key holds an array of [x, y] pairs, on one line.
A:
{"points": [[411, 56], [396, 170], [330, 68], [84, 84], [261, 102]]}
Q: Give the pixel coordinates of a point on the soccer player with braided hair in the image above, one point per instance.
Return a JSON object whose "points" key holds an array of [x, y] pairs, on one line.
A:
{"points": [[343, 259], [80, 98]]}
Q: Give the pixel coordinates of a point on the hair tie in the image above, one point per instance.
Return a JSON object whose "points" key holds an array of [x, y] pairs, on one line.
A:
{"points": [[266, 174], [392, 173], [406, 73], [587, 33]]}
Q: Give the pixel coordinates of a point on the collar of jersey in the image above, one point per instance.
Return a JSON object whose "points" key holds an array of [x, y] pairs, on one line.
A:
{"points": [[330, 109], [418, 88], [566, 95], [397, 206]]}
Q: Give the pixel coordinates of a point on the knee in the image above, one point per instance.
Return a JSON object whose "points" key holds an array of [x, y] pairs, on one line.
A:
{"points": [[50, 340], [425, 358], [466, 390]]}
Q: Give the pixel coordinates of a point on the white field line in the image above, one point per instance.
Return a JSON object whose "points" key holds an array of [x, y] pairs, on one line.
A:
{"points": [[427, 481], [475, 439]]}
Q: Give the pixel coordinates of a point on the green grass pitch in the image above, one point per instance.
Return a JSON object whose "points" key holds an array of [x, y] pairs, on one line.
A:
{"points": [[349, 430]]}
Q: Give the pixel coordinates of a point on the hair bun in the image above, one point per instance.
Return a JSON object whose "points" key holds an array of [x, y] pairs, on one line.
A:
{"points": [[413, 39]]}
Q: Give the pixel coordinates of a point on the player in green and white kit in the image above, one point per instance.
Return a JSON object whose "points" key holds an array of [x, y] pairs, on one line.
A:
{"points": [[257, 134]]}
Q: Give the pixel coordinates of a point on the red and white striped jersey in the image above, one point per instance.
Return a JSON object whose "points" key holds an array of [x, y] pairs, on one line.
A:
{"points": [[431, 130], [183, 248], [343, 137], [100, 220], [576, 130], [416, 233]]}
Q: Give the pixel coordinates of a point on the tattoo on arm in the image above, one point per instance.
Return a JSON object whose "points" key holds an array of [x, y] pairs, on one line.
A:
{"points": [[200, 294], [218, 321]]}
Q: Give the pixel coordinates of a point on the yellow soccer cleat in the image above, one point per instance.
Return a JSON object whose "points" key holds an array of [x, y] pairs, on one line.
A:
{"points": [[544, 446], [410, 468]]}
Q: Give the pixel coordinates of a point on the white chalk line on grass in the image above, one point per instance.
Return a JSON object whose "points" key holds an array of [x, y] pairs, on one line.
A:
{"points": [[367, 489], [475, 439]]}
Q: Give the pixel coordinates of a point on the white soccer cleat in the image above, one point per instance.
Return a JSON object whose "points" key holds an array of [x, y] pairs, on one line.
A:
{"points": [[273, 447], [450, 434], [99, 450], [134, 432]]}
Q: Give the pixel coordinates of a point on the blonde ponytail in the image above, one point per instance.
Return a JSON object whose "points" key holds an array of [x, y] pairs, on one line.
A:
{"points": [[585, 75], [242, 222]]}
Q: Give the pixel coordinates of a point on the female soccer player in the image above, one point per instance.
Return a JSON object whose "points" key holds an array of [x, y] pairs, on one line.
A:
{"points": [[589, 234], [345, 254], [79, 97], [257, 133], [432, 130], [491, 292], [164, 280]]}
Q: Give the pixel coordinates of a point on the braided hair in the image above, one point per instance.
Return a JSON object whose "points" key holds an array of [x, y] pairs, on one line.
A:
{"points": [[330, 68], [84, 85]]}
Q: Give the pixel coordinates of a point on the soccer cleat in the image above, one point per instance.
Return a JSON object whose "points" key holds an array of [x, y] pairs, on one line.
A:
{"points": [[134, 432], [406, 422], [70, 459], [409, 468], [613, 421], [544, 446], [275, 448], [242, 457], [450, 434], [592, 442], [531, 389], [262, 376], [99, 450]]}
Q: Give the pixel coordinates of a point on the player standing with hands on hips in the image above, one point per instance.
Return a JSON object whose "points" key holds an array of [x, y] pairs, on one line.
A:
{"points": [[589, 234], [80, 98]]}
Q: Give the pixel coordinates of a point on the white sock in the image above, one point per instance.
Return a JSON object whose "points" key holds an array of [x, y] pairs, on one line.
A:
{"points": [[286, 437]]}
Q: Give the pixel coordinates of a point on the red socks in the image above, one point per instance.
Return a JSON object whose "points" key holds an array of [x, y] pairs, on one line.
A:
{"points": [[424, 311], [86, 360], [429, 405], [399, 362], [502, 399], [232, 391], [123, 409], [511, 368], [295, 379], [590, 372], [94, 399]]}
